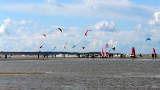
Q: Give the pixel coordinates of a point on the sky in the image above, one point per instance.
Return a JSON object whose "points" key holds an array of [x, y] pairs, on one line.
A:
{"points": [[120, 23]]}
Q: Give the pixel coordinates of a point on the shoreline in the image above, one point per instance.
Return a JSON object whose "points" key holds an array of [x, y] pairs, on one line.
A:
{"points": [[55, 55], [50, 58], [52, 55]]}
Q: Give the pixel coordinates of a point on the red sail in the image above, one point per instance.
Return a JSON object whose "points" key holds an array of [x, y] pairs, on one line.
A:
{"points": [[154, 51], [133, 52], [105, 48], [102, 52], [105, 52]]}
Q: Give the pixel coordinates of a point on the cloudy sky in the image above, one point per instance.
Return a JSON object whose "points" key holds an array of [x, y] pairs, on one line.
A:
{"points": [[120, 23]]}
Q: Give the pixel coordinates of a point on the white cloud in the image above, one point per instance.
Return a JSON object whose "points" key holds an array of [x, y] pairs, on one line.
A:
{"points": [[107, 2], [8, 21], [113, 9], [5, 24], [8, 24], [156, 19], [157, 16], [24, 22], [105, 26], [2, 29], [152, 22]]}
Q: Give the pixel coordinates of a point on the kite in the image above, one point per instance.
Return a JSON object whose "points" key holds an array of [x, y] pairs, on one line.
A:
{"points": [[44, 35], [113, 45], [73, 46], [83, 48], [41, 46], [60, 29], [148, 39], [86, 33], [54, 48], [114, 48]]}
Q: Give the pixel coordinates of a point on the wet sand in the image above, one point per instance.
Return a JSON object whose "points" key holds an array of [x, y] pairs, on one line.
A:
{"points": [[80, 74]]}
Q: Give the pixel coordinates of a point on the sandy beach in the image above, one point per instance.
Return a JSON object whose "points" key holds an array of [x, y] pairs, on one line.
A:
{"points": [[80, 74]]}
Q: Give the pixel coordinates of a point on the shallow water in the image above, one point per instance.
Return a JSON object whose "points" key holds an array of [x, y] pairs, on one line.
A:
{"points": [[81, 74]]}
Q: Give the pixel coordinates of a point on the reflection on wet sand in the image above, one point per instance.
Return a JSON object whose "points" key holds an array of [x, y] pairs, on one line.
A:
{"points": [[80, 74]]}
